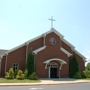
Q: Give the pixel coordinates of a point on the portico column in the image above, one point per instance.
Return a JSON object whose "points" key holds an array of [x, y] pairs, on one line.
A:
{"points": [[60, 69], [49, 72]]}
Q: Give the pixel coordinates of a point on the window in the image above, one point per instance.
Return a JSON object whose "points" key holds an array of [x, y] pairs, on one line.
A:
{"points": [[53, 41], [53, 65], [15, 66]]}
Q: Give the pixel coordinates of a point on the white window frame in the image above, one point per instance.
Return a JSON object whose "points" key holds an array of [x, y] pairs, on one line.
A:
{"points": [[16, 66], [53, 41]]}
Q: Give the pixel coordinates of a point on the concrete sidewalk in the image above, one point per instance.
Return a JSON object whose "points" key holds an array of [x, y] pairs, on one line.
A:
{"points": [[47, 81]]}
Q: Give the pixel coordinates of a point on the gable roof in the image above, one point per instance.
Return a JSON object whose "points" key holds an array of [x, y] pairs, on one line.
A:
{"points": [[44, 34]]}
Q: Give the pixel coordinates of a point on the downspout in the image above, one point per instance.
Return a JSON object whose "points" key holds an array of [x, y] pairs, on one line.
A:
{"points": [[26, 50], [6, 63], [0, 64], [34, 61], [44, 39]]}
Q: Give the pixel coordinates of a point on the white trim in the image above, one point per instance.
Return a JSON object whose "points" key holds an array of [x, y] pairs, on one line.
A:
{"points": [[53, 30], [55, 59], [44, 34], [39, 49], [84, 58], [65, 51], [68, 43], [22, 45]]}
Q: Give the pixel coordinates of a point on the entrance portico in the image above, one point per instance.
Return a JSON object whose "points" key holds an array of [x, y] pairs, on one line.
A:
{"points": [[53, 67]]}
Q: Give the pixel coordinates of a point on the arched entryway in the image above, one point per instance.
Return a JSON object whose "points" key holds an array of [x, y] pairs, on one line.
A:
{"points": [[53, 69], [54, 66]]}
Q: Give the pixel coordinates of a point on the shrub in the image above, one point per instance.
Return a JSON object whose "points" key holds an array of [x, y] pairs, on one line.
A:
{"points": [[20, 75], [74, 67], [10, 74], [7, 75], [30, 63], [26, 73], [15, 73], [83, 74], [33, 76], [77, 75], [88, 73]]}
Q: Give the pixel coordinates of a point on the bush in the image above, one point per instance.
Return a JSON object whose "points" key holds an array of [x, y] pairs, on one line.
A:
{"points": [[10, 74], [33, 76], [26, 73], [15, 73], [20, 75], [88, 73], [83, 74], [77, 75], [7, 75], [74, 67]]}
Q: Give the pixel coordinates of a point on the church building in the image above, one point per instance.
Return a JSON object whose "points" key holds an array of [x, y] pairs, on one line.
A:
{"points": [[51, 52]]}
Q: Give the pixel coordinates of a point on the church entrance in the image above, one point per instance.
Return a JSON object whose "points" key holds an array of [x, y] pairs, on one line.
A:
{"points": [[53, 73], [53, 69]]}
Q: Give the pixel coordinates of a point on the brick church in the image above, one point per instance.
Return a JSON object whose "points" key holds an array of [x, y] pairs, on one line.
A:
{"points": [[51, 52]]}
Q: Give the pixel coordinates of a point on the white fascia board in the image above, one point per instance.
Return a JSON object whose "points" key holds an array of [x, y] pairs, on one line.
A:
{"points": [[55, 31], [84, 58], [39, 49], [68, 43], [31, 40], [15, 48], [65, 51]]}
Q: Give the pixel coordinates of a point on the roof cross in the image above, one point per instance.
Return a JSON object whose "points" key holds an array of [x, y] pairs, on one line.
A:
{"points": [[52, 21]]}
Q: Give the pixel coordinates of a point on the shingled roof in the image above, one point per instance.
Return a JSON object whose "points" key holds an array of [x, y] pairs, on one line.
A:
{"points": [[2, 51]]}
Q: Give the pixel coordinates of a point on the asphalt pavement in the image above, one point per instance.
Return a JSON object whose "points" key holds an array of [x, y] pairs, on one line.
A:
{"points": [[80, 86]]}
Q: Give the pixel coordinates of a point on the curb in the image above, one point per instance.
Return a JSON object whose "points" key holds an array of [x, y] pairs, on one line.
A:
{"points": [[39, 84]]}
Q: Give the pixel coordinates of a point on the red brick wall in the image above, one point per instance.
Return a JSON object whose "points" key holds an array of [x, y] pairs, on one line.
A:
{"points": [[65, 46], [51, 51]]}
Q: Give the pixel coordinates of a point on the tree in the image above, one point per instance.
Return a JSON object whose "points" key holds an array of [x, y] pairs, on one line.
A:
{"points": [[74, 68], [30, 63], [88, 66]]}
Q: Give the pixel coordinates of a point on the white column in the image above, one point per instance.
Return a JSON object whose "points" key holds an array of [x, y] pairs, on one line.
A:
{"points": [[60, 69], [49, 72]]}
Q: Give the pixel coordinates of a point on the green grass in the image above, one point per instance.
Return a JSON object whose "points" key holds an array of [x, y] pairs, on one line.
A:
{"points": [[86, 78], [3, 80]]}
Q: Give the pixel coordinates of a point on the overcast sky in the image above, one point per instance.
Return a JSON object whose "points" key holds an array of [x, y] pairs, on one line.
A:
{"points": [[22, 20]]}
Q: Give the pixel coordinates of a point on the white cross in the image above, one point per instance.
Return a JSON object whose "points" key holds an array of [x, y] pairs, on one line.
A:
{"points": [[52, 22]]}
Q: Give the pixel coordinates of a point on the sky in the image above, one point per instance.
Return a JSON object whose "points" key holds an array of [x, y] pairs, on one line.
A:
{"points": [[22, 20]]}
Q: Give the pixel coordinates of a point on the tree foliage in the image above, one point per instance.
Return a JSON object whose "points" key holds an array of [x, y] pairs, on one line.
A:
{"points": [[88, 66], [30, 63], [74, 68]]}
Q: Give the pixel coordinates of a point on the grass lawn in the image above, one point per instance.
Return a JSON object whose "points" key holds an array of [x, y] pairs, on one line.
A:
{"points": [[3, 80], [86, 78]]}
